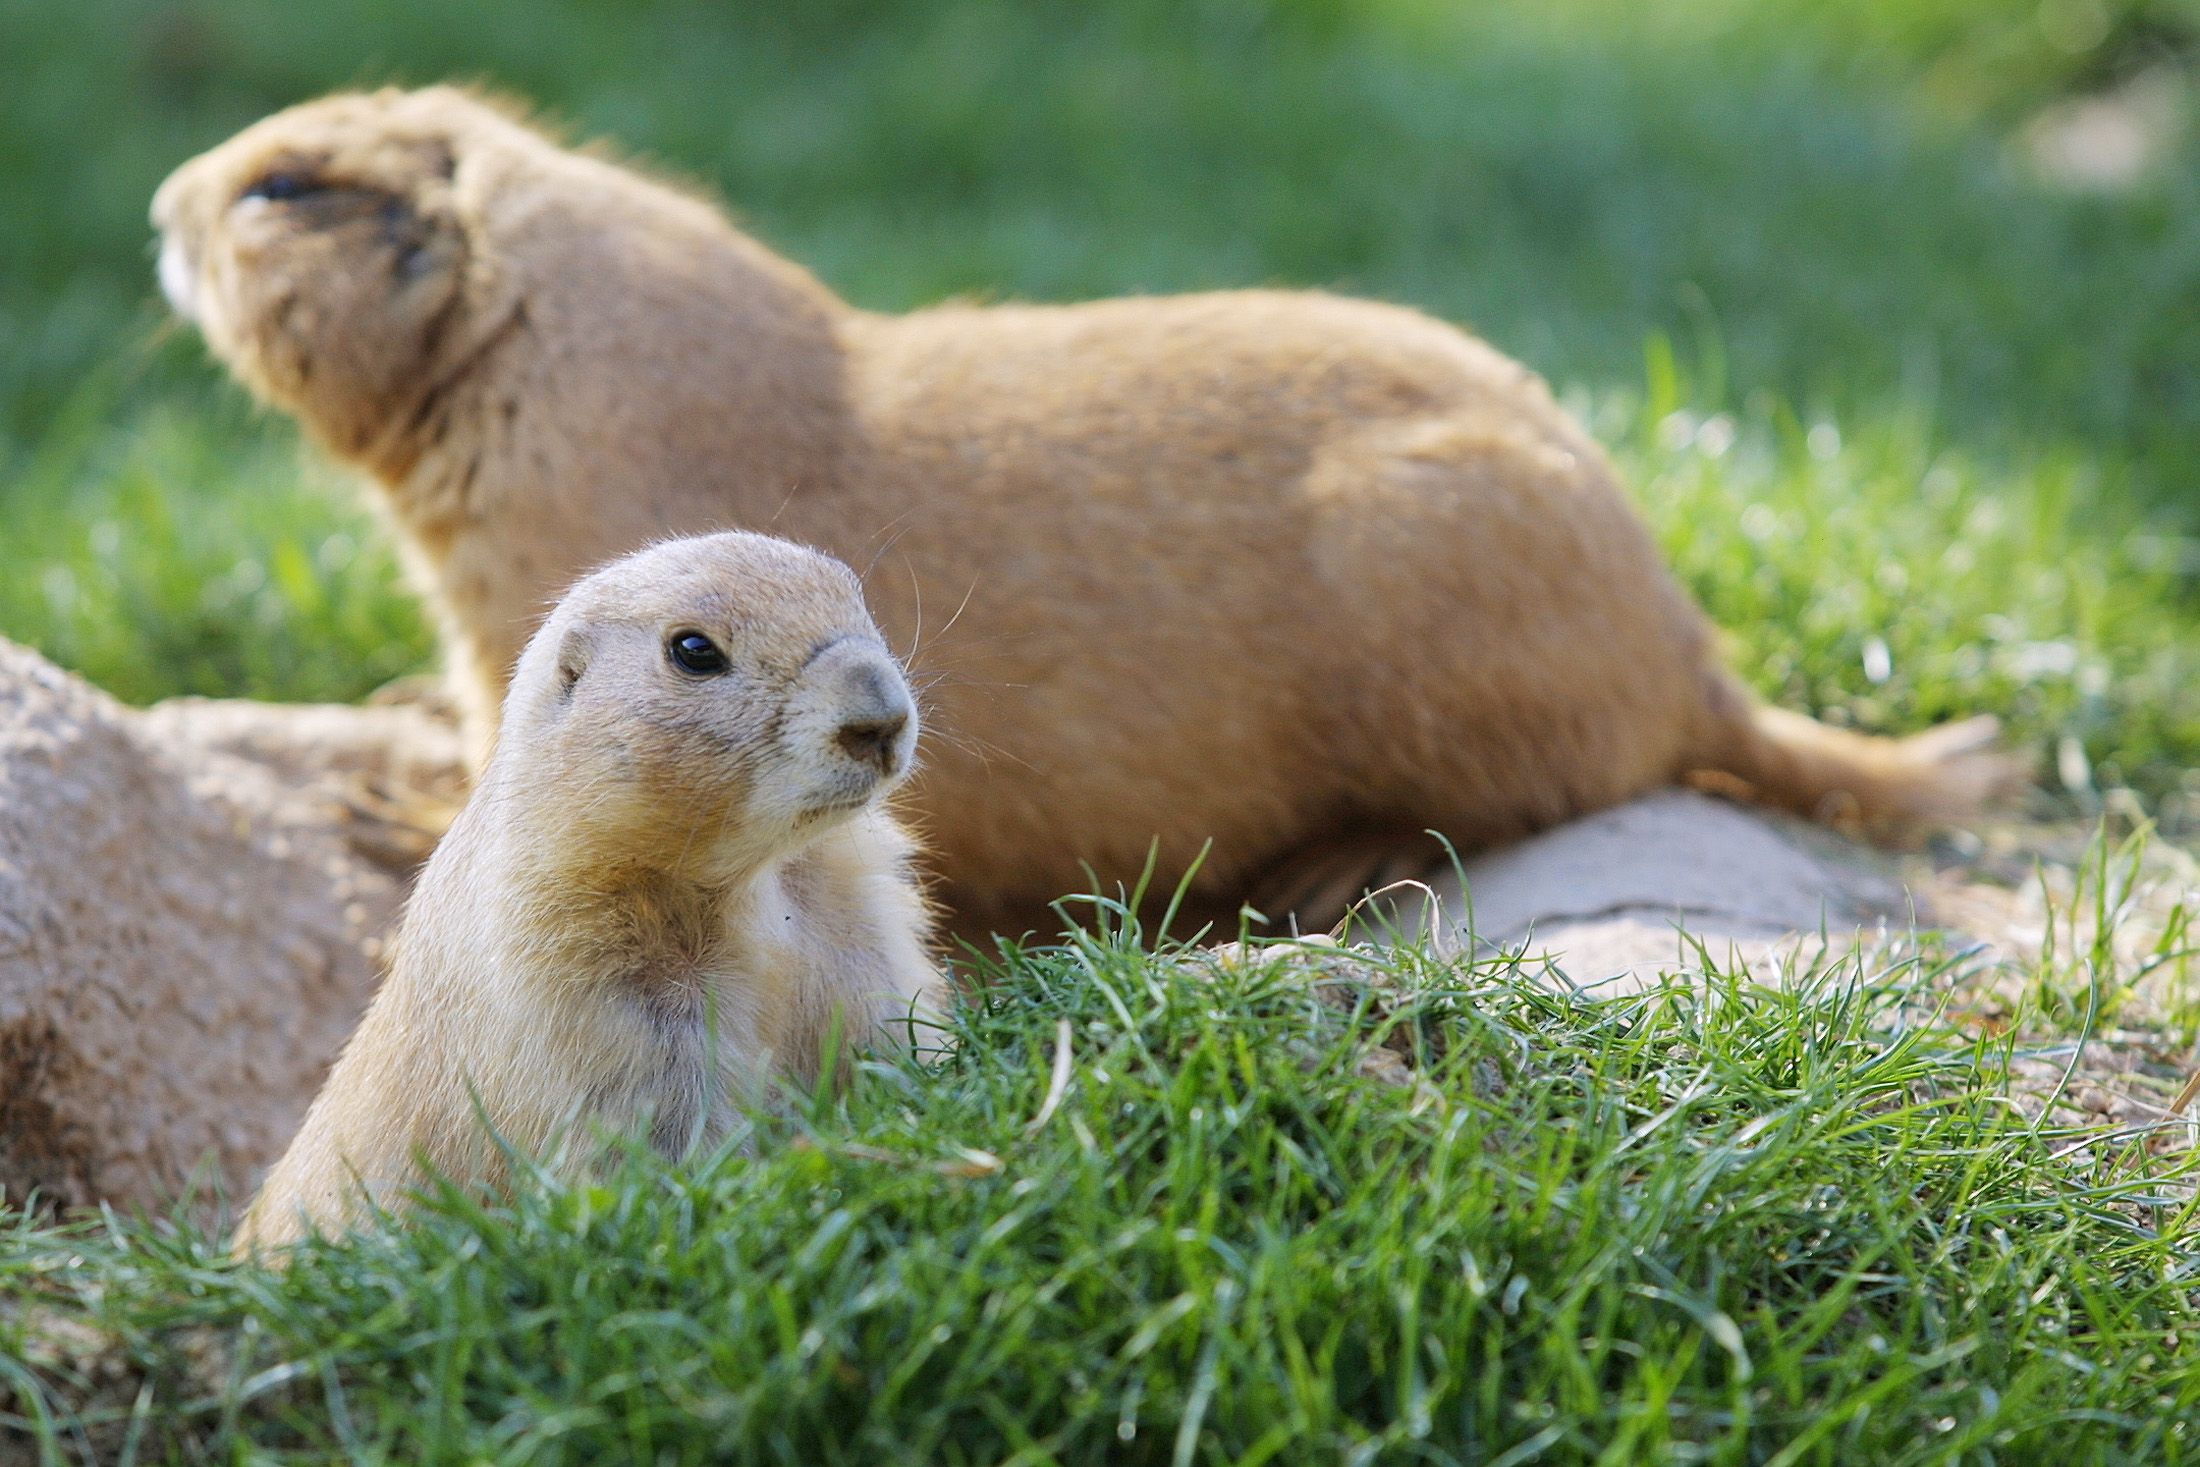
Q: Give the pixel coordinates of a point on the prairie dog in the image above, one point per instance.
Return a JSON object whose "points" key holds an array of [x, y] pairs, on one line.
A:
{"points": [[1264, 568], [675, 881]]}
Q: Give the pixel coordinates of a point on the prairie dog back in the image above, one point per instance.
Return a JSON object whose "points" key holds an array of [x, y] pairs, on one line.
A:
{"points": [[1259, 568]]}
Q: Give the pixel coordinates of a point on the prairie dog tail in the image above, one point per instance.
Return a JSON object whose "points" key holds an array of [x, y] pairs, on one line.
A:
{"points": [[1946, 775]]}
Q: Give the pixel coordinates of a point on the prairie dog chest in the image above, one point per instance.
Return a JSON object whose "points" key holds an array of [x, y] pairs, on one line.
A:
{"points": [[691, 1031], [659, 1076]]}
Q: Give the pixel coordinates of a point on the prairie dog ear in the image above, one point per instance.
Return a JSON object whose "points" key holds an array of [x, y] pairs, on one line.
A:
{"points": [[418, 177], [425, 176], [438, 158], [427, 241], [576, 649]]}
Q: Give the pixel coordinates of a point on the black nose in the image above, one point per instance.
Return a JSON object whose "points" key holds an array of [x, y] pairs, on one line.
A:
{"points": [[874, 739]]}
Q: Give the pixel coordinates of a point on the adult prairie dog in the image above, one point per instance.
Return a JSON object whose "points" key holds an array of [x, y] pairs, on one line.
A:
{"points": [[1262, 568], [675, 882]]}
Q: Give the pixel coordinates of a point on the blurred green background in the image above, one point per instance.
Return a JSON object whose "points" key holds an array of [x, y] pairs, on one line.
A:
{"points": [[1889, 308]]}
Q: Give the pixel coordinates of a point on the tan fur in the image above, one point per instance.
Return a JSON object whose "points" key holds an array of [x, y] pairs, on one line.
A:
{"points": [[667, 892], [1261, 567]]}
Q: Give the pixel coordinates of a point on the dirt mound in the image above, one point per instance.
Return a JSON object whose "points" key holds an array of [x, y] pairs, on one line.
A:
{"points": [[192, 904]]}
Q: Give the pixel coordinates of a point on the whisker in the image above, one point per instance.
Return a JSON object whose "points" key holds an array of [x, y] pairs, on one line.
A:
{"points": [[792, 490], [916, 589]]}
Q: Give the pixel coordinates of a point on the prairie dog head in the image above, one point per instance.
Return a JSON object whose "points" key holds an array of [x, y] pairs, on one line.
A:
{"points": [[331, 254], [702, 707]]}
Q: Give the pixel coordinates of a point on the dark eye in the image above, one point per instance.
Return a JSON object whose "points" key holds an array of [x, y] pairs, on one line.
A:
{"points": [[281, 185], [695, 654]]}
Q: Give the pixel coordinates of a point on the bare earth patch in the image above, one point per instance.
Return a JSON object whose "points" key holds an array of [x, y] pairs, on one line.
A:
{"points": [[193, 902]]}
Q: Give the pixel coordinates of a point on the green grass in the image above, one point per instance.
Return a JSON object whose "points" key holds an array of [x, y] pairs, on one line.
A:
{"points": [[1714, 1222], [200, 558], [1914, 424]]}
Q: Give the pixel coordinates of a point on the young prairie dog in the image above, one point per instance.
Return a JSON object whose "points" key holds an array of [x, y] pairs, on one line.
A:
{"points": [[675, 883], [1263, 568]]}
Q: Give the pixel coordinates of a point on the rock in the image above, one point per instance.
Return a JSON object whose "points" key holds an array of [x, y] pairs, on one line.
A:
{"points": [[192, 904], [1615, 899]]}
